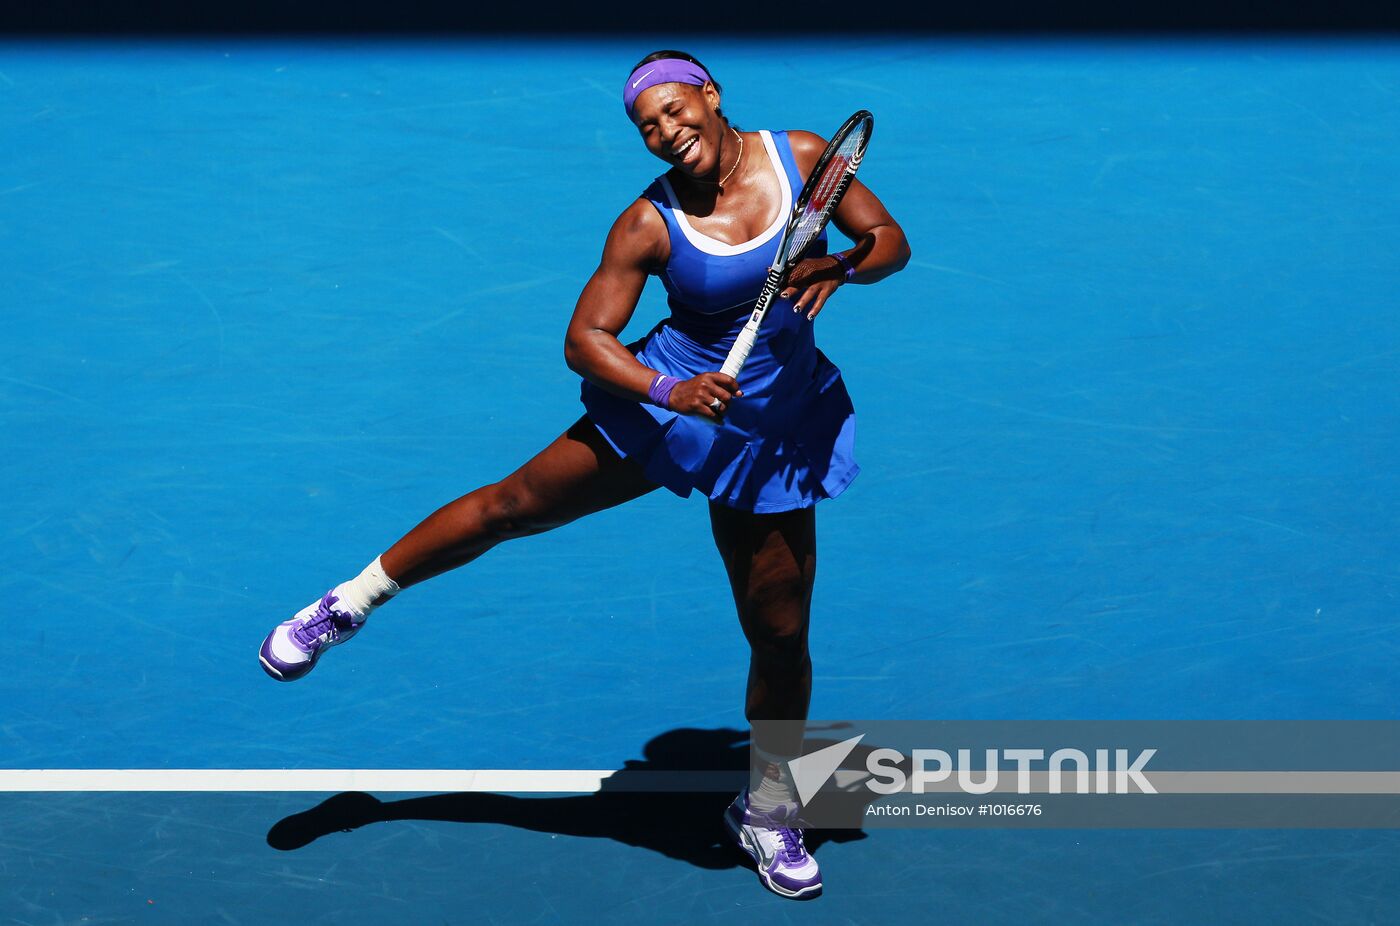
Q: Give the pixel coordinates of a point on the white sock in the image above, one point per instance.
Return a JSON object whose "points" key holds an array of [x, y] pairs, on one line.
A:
{"points": [[770, 783], [367, 591]]}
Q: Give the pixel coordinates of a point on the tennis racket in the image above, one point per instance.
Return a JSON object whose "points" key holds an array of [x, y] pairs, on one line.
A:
{"points": [[814, 207]]}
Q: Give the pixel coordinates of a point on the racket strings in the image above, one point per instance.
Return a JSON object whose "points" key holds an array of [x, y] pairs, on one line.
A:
{"points": [[828, 191]]}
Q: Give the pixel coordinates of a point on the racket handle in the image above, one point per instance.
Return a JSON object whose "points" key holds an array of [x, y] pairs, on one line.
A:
{"points": [[738, 354], [740, 351], [744, 343]]}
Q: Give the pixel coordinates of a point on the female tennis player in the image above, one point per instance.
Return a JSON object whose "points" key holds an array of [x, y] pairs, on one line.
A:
{"points": [[764, 449]]}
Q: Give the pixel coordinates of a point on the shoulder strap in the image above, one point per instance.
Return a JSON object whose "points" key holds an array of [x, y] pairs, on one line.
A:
{"points": [[784, 149]]}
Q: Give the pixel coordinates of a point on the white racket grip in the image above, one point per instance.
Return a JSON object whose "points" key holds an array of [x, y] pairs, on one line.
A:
{"points": [[740, 351]]}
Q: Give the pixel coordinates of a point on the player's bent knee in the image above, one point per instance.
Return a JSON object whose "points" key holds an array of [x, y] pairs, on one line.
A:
{"points": [[779, 603], [784, 641], [508, 513]]}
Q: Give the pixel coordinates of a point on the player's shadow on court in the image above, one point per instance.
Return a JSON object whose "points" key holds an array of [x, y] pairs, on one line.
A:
{"points": [[682, 825]]}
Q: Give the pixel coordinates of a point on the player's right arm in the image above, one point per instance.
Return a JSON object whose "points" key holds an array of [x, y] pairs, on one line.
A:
{"points": [[637, 244]]}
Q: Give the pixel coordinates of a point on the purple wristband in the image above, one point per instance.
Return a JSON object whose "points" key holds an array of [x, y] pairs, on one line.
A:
{"points": [[660, 389], [846, 264]]}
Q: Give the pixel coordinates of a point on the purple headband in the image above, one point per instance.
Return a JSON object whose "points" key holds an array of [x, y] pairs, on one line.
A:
{"points": [[662, 71]]}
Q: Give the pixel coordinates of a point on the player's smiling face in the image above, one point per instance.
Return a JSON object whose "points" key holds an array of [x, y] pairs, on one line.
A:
{"points": [[681, 125]]}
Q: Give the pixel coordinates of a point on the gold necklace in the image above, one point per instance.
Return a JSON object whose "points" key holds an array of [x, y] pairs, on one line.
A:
{"points": [[736, 160]]}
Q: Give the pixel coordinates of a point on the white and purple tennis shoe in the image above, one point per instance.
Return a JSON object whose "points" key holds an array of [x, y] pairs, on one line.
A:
{"points": [[293, 647], [784, 865]]}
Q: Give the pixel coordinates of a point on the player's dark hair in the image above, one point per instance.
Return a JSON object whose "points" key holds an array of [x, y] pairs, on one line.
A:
{"points": [[672, 53]]}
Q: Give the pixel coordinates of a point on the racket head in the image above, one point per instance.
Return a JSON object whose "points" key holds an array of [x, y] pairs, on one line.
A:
{"points": [[827, 183]]}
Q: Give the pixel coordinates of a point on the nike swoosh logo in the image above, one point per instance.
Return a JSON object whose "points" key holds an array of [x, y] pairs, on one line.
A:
{"points": [[642, 78]]}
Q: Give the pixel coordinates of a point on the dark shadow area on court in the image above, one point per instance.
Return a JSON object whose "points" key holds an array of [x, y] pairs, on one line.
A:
{"points": [[682, 825]]}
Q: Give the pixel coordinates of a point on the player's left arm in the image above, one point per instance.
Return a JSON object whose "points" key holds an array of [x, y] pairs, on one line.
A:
{"points": [[880, 246]]}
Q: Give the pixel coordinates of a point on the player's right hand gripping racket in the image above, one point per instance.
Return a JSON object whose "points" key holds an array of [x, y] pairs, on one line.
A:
{"points": [[813, 209]]}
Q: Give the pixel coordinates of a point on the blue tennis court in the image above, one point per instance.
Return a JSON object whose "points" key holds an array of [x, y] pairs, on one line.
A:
{"points": [[1128, 426]]}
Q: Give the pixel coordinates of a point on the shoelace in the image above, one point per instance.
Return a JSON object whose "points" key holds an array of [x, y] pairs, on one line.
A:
{"points": [[784, 822], [310, 631], [793, 852]]}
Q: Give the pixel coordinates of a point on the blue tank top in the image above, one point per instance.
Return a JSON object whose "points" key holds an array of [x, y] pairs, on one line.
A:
{"points": [[709, 281]]}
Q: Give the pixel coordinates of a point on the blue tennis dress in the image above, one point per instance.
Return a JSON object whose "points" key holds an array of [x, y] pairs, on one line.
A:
{"points": [[788, 442]]}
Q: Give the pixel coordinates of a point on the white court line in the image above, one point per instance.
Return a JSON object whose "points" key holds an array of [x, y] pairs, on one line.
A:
{"points": [[588, 781], [515, 781]]}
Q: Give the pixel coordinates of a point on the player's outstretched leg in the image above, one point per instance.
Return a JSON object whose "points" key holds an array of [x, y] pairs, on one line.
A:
{"points": [[575, 475], [772, 563]]}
